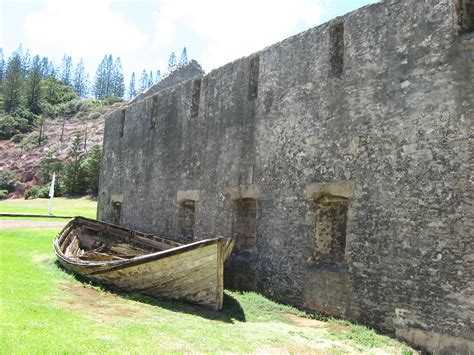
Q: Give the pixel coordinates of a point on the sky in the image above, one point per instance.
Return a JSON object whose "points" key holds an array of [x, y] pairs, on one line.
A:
{"points": [[143, 33]]}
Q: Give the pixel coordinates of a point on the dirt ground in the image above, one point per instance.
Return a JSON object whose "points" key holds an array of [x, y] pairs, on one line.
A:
{"points": [[17, 223], [305, 321]]}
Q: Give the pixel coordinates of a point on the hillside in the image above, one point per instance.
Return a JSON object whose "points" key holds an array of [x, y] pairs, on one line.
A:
{"points": [[24, 157]]}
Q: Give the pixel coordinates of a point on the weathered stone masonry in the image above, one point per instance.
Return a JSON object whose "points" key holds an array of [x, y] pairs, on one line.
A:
{"points": [[340, 159]]}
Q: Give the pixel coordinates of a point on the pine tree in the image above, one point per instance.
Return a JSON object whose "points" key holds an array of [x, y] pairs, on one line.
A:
{"points": [[150, 79], [132, 90], [2, 66], [74, 174], [109, 76], [19, 51], [143, 81], [24, 60], [98, 88], [66, 70], [49, 165], [33, 86], [25, 63], [53, 73], [184, 58], [44, 68], [92, 170], [118, 89], [158, 76], [172, 66], [103, 83], [81, 79], [12, 84]]}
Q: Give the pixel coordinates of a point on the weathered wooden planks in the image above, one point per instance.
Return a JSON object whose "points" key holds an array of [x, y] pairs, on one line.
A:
{"points": [[120, 258]]}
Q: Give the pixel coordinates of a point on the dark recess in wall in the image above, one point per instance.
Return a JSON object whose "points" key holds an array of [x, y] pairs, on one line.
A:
{"points": [[245, 223], [122, 123], [253, 77], [465, 9], [117, 212], [330, 232], [186, 219], [336, 48], [152, 112], [195, 97]]}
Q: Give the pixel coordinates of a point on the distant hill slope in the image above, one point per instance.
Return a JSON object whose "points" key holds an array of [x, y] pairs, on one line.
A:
{"points": [[25, 157]]}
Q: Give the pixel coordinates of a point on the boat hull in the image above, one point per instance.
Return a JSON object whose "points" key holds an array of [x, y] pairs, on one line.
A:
{"points": [[192, 272]]}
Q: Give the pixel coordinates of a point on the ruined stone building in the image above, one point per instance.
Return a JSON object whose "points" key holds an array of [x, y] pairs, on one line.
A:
{"points": [[339, 159]]}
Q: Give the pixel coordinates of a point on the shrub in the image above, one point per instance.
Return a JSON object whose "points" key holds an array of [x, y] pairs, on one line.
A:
{"points": [[11, 125], [39, 192], [90, 104], [43, 191], [31, 141], [32, 192], [67, 109], [17, 138], [109, 100], [49, 109], [58, 187], [3, 194], [8, 180], [27, 115], [94, 115], [77, 106]]}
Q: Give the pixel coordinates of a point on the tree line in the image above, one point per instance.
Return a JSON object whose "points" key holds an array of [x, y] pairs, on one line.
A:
{"points": [[31, 86]]}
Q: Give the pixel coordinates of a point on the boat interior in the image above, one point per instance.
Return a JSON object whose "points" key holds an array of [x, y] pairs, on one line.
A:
{"points": [[91, 240]]}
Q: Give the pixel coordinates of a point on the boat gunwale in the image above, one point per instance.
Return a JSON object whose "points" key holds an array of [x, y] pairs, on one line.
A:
{"points": [[119, 264], [132, 232]]}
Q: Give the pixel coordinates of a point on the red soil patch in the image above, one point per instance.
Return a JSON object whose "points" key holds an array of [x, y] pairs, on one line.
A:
{"points": [[103, 306], [305, 321]]}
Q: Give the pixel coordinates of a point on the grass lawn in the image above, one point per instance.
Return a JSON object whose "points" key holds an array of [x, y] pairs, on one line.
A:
{"points": [[43, 309], [61, 206]]}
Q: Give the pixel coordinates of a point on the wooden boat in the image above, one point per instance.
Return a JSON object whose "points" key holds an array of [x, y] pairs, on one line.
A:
{"points": [[137, 262]]}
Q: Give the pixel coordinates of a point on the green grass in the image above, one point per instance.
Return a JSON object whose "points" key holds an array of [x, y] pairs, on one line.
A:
{"points": [[35, 219], [61, 206], [44, 309]]}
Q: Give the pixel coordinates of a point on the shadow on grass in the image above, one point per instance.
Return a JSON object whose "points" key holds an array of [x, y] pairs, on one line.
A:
{"points": [[231, 312]]}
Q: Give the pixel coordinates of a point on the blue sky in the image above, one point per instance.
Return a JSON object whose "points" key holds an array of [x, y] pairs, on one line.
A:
{"points": [[144, 32]]}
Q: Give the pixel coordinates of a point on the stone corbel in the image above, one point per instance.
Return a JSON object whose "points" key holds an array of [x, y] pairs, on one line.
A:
{"points": [[339, 191], [116, 199], [187, 195], [244, 191]]}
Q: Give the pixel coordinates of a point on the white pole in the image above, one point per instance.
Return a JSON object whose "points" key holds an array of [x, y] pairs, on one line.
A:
{"points": [[51, 195]]}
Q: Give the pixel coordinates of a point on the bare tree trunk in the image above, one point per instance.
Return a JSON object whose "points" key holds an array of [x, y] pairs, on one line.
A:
{"points": [[62, 132], [85, 138], [41, 132]]}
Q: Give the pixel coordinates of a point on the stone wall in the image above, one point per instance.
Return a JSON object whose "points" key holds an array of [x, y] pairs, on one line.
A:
{"points": [[189, 71], [349, 146]]}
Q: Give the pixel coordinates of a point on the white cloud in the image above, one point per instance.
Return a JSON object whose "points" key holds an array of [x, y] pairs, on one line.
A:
{"points": [[83, 29], [230, 30], [215, 32]]}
